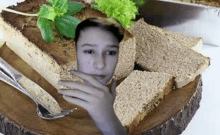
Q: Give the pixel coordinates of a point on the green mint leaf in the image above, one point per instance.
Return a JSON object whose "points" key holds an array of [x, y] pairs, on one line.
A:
{"points": [[60, 7], [66, 25], [47, 12], [45, 27], [74, 7]]}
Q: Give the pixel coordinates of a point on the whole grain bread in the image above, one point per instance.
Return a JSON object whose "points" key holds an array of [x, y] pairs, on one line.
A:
{"points": [[158, 53], [54, 62], [182, 39], [139, 94]]}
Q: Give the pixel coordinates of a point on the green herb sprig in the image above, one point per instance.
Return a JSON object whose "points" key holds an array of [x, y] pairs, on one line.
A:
{"points": [[123, 10], [58, 13]]}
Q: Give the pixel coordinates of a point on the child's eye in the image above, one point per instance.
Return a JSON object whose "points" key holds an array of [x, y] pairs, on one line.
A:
{"points": [[91, 52], [112, 53], [88, 51]]}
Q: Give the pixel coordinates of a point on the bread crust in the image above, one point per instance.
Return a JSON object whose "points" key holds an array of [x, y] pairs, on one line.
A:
{"points": [[158, 53], [139, 94]]}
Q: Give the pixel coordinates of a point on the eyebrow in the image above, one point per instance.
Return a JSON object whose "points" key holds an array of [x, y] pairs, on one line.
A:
{"points": [[96, 45]]}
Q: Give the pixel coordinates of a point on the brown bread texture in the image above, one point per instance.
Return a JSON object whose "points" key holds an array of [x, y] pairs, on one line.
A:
{"points": [[139, 94], [182, 39], [157, 53], [51, 63]]}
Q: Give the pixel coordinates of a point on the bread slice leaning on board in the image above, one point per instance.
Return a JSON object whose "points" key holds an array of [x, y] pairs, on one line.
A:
{"points": [[182, 39], [139, 94], [55, 60], [158, 53]]}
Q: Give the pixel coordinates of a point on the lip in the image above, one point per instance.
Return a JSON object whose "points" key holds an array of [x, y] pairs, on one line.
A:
{"points": [[100, 76]]}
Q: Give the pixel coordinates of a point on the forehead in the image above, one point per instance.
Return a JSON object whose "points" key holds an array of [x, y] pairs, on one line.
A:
{"points": [[97, 36]]}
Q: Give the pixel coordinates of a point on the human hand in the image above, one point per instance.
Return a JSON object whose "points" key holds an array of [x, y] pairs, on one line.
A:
{"points": [[97, 100]]}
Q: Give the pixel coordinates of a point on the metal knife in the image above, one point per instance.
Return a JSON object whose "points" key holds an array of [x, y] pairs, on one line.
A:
{"points": [[32, 89]]}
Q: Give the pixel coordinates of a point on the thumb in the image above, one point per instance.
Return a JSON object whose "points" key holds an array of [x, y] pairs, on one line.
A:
{"points": [[113, 88]]}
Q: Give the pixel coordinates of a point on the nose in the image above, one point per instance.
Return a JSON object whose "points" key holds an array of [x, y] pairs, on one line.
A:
{"points": [[99, 61]]}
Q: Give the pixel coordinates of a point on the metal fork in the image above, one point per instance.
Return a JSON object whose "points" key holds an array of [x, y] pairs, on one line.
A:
{"points": [[10, 75]]}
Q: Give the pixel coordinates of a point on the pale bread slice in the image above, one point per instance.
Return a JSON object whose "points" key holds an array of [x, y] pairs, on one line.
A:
{"points": [[156, 52], [139, 94], [40, 94]]}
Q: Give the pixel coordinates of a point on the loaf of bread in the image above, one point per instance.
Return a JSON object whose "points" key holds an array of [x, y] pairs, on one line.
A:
{"points": [[54, 61], [139, 94], [158, 53]]}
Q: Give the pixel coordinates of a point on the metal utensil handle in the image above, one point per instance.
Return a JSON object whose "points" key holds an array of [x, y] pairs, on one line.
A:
{"points": [[12, 72], [13, 80], [6, 79]]}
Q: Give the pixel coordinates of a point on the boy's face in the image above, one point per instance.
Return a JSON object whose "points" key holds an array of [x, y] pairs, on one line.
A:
{"points": [[97, 53]]}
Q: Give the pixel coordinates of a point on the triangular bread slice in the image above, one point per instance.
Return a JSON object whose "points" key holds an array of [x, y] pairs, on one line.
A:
{"points": [[157, 53], [194, 43], [138, 94]]}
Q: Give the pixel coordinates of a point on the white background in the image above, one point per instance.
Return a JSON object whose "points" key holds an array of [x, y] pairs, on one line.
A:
{"points": [[206, 121]]}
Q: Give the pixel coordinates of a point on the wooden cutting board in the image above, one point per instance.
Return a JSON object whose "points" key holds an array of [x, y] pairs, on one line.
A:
{"points": [[18, 112]]}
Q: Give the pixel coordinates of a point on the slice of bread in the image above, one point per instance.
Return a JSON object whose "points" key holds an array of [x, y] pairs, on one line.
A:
{"points": [[139, 94], [54, 61], [182, 39], [44, 98], [156, 52]]}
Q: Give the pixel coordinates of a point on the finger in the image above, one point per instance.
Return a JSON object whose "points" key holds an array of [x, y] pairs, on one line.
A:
{"points": [[90, 79], [113, 88], [76, 101], [77, 93], [83, 87]]}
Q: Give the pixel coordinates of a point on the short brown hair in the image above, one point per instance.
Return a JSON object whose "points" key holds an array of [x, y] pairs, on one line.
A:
{"points": [[110, 24]]}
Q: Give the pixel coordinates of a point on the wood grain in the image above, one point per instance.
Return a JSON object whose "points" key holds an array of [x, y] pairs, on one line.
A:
{"points": [[18, 112]]}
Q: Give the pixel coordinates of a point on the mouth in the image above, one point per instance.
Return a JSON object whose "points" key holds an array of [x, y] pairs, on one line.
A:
{"points": [[99, 76]]}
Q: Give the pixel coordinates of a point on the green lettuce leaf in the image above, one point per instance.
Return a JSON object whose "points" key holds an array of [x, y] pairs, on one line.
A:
{"points": [[74, 7], [45, 27], [66, 25], [123, 10], [47, 12], [60, 7]]}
